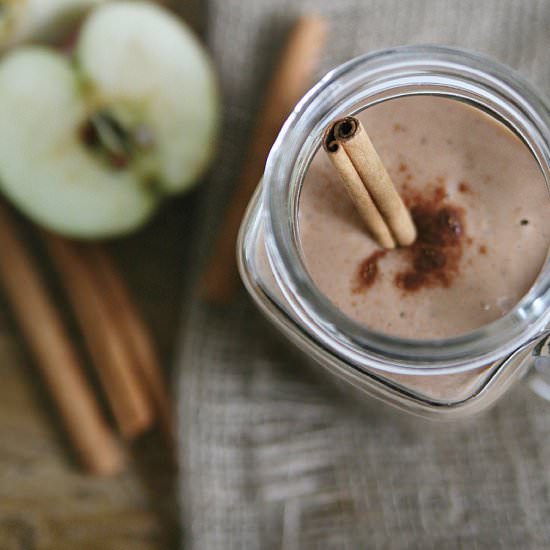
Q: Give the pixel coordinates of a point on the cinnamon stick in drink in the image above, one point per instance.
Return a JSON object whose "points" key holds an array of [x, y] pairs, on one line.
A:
{"points": [[357, 191], [56, 358], [290, 81], [348, 135]]}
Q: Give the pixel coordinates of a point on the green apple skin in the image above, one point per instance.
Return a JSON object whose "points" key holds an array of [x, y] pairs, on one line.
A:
{"points": [[142, 67], [122, 54], [40, 20], [44, 168]]}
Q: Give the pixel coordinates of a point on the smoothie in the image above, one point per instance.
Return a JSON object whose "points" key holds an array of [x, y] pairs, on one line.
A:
{"points": [[480, 205]]}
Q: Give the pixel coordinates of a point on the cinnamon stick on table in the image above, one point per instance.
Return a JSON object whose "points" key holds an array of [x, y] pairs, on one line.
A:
{"points": [[290, 81], [136, 335], [368, 183], [55, 357], [108, 348]]}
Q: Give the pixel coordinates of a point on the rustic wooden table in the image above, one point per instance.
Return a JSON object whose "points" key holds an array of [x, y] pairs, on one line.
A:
{"points": [[46, 502]]}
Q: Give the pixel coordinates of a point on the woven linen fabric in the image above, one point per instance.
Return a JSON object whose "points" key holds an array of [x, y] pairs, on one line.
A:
{"points": [[272, 458]]}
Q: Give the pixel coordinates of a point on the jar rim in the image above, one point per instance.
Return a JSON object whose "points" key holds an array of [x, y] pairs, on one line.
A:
{"points": [[396, 72]]}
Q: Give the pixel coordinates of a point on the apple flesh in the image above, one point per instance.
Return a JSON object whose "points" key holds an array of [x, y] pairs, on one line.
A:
{"points": [[139, 65], [89, 148], [45, 168]]}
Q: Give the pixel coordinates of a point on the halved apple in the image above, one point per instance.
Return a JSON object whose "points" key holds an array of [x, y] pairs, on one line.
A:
{"points": [[88, 149], [21, 20]]}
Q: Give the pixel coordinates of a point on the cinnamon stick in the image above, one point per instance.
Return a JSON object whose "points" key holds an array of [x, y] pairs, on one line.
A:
{"points": [[348, 136], [127, 397], [136, 335], [48, 341], [291, 79], [357, 191]]}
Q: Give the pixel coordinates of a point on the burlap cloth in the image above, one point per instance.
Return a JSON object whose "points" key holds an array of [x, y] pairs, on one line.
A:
{"points": [[270, 458]]}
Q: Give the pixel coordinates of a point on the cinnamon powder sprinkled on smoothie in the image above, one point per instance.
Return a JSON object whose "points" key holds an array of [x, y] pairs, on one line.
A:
{"points": [[368, 270], [435, 255], [434, 258], [463, 187]]}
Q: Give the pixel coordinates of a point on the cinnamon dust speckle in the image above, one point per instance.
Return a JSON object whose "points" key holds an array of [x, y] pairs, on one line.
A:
{"points": [[368, 271], [434, 258], [463, 187], [440, 193], [435, 255], [413, 197]]}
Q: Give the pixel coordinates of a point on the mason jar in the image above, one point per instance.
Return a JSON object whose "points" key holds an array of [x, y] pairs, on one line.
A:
{"points": [[438, 379]]}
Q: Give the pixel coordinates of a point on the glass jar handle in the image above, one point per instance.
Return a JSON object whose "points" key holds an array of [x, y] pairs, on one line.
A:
{"points": [[538, 378]]}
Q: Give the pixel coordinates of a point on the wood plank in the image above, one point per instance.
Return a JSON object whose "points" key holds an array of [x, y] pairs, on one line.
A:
{"points": [[46, 502]]}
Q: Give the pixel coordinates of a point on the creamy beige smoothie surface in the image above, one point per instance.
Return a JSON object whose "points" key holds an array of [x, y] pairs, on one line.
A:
{"points": [[481, 207]]}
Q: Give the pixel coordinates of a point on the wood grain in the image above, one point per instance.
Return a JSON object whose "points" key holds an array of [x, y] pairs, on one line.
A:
{"points": [[46, 502]]}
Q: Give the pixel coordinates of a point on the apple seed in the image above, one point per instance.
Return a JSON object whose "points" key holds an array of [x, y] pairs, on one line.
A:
{"points": [[107, 136]]}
